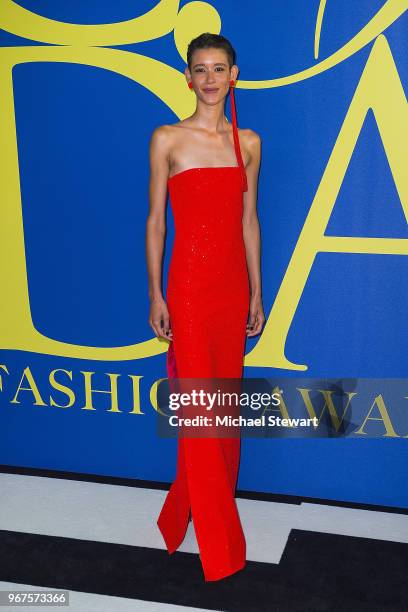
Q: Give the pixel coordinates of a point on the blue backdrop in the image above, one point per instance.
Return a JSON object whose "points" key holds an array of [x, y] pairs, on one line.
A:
{"points": [[323, 84]]}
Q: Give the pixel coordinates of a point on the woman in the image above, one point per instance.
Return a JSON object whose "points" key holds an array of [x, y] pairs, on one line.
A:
{"points": [[213, 284]]}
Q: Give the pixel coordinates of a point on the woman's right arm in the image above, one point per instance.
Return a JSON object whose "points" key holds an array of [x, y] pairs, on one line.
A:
{"points": [[156, 229]]}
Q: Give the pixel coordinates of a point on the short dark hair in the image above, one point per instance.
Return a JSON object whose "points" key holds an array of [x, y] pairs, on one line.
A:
{"points": [[208, 40]]}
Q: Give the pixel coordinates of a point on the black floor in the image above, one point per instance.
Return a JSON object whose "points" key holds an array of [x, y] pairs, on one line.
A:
{"points": [[318, 571]]}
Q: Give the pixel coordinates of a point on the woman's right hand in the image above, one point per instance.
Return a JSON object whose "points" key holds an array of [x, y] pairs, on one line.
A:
{"points": [[159, 319]]}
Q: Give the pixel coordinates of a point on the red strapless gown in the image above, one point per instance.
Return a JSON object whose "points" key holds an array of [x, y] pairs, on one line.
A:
{"points": [[208, 303]]}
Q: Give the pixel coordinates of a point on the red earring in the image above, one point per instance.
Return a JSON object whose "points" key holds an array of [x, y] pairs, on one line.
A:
{"points": [[190, 84], [232, 83]]}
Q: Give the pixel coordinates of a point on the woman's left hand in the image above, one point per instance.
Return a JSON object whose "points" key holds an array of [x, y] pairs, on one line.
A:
{"points": [[256, 316]]}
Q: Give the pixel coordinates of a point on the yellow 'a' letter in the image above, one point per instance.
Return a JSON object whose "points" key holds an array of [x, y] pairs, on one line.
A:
{"points": [[379, 88]]}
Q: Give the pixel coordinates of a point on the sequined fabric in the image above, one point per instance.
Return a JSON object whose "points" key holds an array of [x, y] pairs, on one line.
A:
{"points": [[207, 291], [208, 301]]}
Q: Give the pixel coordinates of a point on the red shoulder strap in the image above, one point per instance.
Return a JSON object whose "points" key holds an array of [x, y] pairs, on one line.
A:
{"points": [[236, 139]]}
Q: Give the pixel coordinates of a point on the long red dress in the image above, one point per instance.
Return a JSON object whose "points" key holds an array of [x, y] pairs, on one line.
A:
{"points": [[208, 303]]}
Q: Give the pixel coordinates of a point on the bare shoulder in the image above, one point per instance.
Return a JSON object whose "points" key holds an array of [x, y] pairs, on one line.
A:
{"points": [[251, 144], [161, 134], [164, 135], [162, 141], [250, 138]]}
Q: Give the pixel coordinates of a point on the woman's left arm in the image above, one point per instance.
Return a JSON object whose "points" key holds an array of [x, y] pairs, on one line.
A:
{"points": [[251, 233]]}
